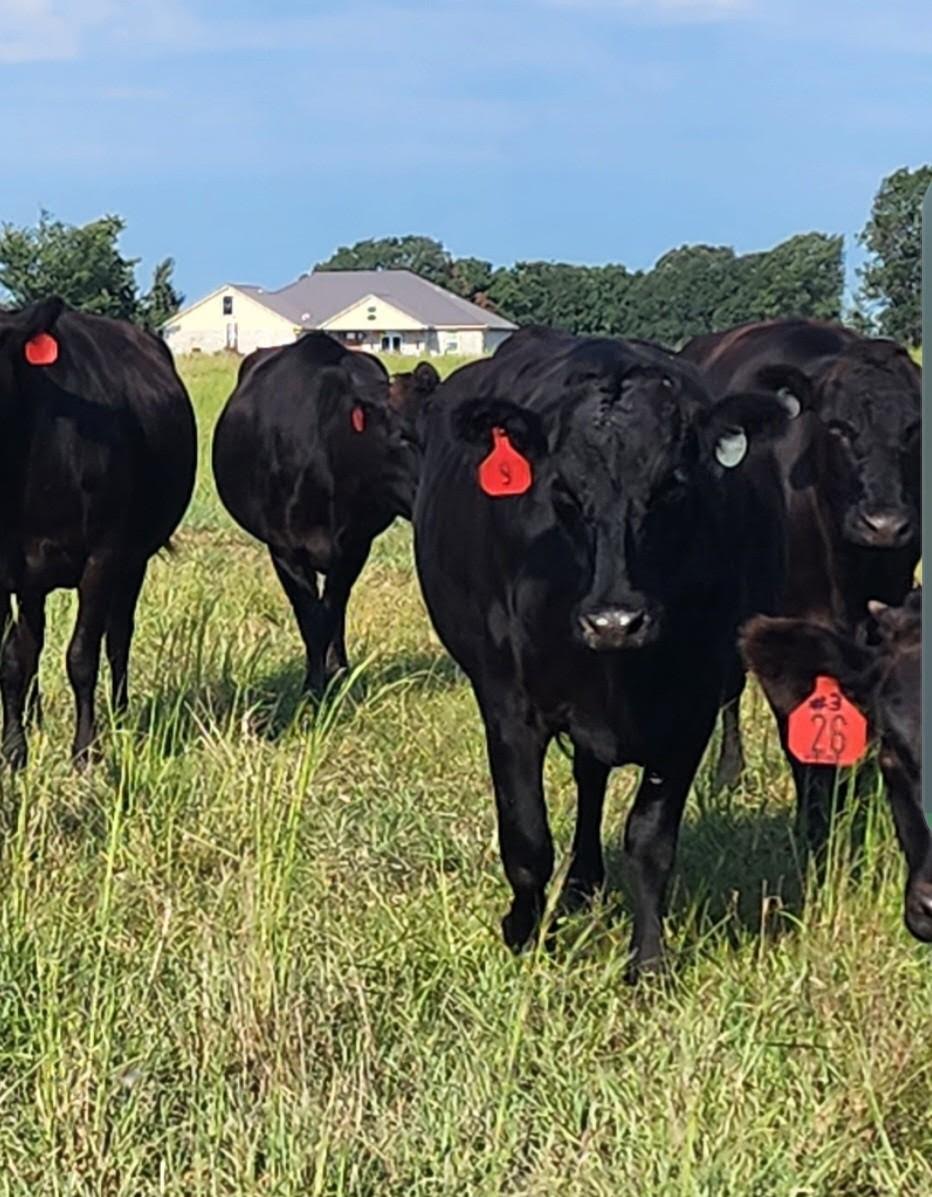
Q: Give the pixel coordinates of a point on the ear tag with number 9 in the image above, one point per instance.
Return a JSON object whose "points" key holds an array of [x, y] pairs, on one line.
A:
{"points": [[827, 729], [505, 471]]}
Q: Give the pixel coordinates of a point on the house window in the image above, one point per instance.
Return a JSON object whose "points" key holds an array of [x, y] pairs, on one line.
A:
{"points": [[228, 305], [391, 343]]}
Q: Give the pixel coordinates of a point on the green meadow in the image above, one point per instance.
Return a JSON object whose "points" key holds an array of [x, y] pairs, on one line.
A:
{"points": [[256, 949]]}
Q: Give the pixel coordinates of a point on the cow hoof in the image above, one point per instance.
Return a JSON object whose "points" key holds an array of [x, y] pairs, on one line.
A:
{"points": [[642, 968], [519, 927], [579, 894]]}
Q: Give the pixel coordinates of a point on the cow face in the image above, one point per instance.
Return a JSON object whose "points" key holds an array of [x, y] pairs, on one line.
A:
{"points": [[27, 339], [868, 398], [883, 679], [409, 393], [632, 466], [368, 437]]}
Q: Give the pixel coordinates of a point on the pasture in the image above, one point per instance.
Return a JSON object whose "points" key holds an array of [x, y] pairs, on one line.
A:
{"points": [[256, 950]]}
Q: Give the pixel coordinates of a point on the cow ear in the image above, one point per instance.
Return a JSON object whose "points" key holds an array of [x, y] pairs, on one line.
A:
{"points": [[474, 420], [41, 316], [738, 420], [790, 385], [787, 655], [426, 378]]}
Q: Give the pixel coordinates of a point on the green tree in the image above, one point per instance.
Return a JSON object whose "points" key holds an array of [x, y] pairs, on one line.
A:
{"points": [[422, 255], [470, 277], [891, 277], [162, 300], [83, 265]]}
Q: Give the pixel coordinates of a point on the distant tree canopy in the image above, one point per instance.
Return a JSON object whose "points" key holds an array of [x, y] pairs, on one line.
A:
{"points": [[83, 264], [891, 278], [690, 290]]}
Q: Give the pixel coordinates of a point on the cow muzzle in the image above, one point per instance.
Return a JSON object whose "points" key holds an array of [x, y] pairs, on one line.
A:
{"points": [[919, 910], [882, 527], [605, 629]]}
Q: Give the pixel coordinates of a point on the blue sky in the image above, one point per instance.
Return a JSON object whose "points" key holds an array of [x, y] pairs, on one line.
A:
{"points": [[248, 140]]}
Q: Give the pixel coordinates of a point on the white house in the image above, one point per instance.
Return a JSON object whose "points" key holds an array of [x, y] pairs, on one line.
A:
{"points": [[388, 311]]}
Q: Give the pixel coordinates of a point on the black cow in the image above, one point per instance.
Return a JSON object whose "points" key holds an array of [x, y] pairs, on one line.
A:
{"points": [[315, 454], [882, 679], [850, 469], [97, 466], [603, 601]]}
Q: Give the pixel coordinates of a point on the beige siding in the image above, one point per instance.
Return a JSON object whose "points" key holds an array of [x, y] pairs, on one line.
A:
{"points": [[249, 326], [494, 337], [372, 314]]}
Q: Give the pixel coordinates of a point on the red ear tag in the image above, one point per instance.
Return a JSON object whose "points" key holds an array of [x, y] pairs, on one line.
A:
{"points": [[42, 350], [358, 419], [827, 729], [504, 471]]}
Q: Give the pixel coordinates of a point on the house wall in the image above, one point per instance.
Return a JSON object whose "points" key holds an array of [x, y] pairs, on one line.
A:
{"points": [[206, 329], [375, 314], [494, 337]]}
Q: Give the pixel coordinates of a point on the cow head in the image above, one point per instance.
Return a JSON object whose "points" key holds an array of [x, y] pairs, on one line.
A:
{"points": [[409, 393], [883, 679], [868, 398], [21, 332], [630, 459], [368, 438]]}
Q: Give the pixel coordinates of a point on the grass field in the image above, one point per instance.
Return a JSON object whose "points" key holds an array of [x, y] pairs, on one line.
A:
{"points": [[257, 951]]}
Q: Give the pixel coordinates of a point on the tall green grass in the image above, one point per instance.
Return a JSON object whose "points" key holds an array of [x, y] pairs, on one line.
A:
{"points": [[256, 951]]}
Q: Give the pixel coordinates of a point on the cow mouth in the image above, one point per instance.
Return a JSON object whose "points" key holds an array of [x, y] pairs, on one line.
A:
{"points": [[612, 629]]}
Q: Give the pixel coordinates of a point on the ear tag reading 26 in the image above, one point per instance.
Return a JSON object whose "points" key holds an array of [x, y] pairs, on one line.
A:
{"points": [[827, 729], [42, 350], [504, 471], [358, 419]]}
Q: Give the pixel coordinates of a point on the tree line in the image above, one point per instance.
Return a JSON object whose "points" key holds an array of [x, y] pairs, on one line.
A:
{"points": [[690, 290]]}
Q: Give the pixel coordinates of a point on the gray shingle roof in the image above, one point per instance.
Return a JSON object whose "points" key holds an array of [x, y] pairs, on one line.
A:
{"points": [[318, 297]]}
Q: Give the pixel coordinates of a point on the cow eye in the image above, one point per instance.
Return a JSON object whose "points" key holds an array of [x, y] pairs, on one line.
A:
{"points": [[913, 431]]}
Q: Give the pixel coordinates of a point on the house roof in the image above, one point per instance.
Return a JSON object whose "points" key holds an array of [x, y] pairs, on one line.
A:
{"points": [[316, 298]]}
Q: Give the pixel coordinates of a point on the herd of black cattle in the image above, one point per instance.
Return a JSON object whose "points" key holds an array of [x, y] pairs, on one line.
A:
{"points": [[607, 534]]}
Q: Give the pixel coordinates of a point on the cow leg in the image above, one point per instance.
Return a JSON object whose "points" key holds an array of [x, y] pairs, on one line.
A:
{"points": [[341, 578], [651, 835], [21, 650], [83, 656], [299, 581], [587, 869], [516, 749], [120, 633], [731, 757], [915, 839], [820, 793]]}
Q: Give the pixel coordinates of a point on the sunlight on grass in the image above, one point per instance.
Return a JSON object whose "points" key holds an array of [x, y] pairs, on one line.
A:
{"points": [[256, 950]]}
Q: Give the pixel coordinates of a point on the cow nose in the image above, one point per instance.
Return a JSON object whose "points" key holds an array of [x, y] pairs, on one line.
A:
{"points": [[613, 627], [886, 527]]}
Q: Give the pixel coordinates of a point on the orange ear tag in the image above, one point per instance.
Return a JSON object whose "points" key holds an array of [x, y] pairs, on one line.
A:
{"points": [[358, 419], [504, 471], [42, 350], [827, 729]]}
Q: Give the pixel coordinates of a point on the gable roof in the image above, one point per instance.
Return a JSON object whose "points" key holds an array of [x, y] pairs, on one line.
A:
{"points": [[316, 298]]}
